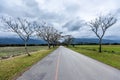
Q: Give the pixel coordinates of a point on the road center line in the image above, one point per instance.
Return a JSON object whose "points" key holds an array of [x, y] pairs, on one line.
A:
{"points": [[57, 67]]}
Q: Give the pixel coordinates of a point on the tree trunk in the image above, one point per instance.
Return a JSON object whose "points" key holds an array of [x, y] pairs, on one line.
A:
{"points": [[100, 45], [53, 45], [73, 45], [26, 49], [48, 45]]}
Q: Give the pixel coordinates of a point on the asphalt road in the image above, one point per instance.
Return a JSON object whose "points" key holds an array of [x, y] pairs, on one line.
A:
{"points": [[65, 64]]}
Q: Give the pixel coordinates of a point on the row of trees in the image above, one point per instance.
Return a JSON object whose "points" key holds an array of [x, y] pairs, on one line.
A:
{"points": [[25, 29], [68, 39], [47, 33]]}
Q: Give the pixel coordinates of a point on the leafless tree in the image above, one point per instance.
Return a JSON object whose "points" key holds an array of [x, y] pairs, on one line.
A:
{"points": [[22, 27], [44, 31], [100, 25], [55, 37], [68, 39], [47, 33]]}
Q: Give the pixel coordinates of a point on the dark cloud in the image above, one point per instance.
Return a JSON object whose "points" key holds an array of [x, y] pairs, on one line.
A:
{"points": [[72, 8], [29, 8], [74, 25], [32, 8], [31, 3], [6, 8]]}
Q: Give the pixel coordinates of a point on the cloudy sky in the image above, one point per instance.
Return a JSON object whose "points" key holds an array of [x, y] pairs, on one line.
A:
{"points": [[66, 15]]}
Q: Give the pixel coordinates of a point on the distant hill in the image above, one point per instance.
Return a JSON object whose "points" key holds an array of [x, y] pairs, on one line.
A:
{"points": [[12, 40], [19, 41], [93, 40]]}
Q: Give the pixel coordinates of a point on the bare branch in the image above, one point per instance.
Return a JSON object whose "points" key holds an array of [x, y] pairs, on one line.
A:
{"points": [[47, 33], [20, 26], [100, 25]]}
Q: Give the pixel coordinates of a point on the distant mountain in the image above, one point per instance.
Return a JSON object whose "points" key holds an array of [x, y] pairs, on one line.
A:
{"points": [[12, 40], [93, 40]]}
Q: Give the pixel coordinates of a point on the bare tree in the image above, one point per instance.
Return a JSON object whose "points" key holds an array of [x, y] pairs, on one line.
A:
{"points": [[68, 39], [55, 37], [100, 25], [22, 27], [45, 32]]}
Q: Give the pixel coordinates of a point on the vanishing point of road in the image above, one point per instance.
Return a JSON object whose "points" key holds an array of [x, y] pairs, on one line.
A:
{"points": [[65, 64]]}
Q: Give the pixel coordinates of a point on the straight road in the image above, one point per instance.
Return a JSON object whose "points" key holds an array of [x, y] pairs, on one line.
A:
{"points": [[65, 64]]}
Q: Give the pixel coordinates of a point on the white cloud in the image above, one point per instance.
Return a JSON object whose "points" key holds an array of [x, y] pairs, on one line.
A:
{"points": [[59, 12]]}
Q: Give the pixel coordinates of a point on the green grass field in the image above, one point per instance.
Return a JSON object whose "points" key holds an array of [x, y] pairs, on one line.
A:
{"points": [[11, 67], [8, 51], [106, 48], [110, 54]]}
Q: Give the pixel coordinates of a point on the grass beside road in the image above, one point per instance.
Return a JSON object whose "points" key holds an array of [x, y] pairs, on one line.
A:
{"points": [[11, 67], [8, 51], [110, 54]]}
